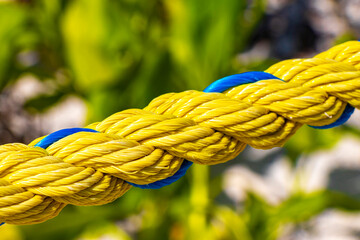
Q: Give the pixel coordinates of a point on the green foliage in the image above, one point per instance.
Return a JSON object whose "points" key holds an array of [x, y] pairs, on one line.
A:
{"points": [[121, 54], [259, 220], [10, 33], [307, 140]]}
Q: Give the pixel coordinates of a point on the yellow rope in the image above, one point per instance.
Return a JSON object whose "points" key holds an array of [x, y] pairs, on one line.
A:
{"points": [[145, 146]]}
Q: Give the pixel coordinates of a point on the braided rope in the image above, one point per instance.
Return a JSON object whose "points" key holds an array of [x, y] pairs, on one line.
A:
{"points": [[148, 147]]}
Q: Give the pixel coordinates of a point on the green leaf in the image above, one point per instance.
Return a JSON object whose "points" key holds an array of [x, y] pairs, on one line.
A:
{"points": [[43, 102]]}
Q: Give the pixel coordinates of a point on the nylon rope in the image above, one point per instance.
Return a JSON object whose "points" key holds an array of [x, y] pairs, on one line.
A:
{"points": [[154, 146]]}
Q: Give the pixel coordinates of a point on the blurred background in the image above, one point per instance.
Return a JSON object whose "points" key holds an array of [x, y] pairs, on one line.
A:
{"points": [[69, 63]]}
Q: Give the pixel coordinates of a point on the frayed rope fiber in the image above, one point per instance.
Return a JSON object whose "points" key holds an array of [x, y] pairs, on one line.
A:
{"points": [[154, 146]]}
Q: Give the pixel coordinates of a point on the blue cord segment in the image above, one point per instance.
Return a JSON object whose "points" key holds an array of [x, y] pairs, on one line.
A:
{"points": [[55, 136], [167, 181], [349, 110], [225, 83], [2, 224]]}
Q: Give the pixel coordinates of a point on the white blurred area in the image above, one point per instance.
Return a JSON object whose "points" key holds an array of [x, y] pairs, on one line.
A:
{"points": [[312, 173], [281, 179], [69, 112]]}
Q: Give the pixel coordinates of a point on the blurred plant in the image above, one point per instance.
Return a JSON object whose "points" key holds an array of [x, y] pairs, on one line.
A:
{"points": [[259, 220], [121, 54]]}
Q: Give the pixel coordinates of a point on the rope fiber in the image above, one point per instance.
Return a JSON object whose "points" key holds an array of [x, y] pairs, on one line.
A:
{"points": [[154, 146]]}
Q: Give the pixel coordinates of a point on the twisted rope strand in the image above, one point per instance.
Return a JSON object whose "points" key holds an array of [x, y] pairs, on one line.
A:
{"points": [[154, 146]]}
